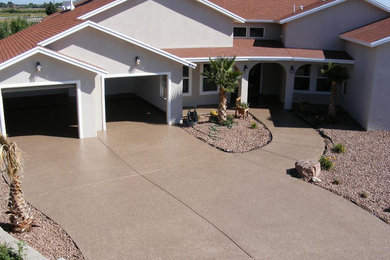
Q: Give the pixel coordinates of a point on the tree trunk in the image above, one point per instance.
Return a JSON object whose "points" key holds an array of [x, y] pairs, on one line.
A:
{"points": [[332, 102], [222, 105], [19, 212]]}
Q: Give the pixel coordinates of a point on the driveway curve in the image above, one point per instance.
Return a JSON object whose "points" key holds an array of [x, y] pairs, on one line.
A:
{"points": [[151, 191]]}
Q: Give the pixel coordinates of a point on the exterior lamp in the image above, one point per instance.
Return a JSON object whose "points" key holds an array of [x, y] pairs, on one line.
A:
{"points": [[137, 61], [38, 67], [292, 70], [246, 68]]}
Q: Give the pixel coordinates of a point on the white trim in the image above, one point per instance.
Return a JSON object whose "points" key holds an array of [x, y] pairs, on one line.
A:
{"points": [[101, 9], [141, 74], [259, 21], [276, 59], [367, 44], [119, 36], [222, 10], [205, 2], [379, 5], [201, 92], [103, 101], [189, 83], [53, 54], [48, 83], [310, 11]]}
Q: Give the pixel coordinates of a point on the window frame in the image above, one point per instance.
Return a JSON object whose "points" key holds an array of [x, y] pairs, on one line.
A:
{"points": [[201, 92], [319, 76], [189, 78], [246, 32], [300, 76], [255, 27]]}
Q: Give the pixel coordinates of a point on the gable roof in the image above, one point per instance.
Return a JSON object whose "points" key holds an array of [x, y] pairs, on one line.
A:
{"points": [[53, 54], [118, 35], [370, 35], [281, 11]]}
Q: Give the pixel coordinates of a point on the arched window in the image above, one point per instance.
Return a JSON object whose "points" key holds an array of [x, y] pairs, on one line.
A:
{"points": [[302, 78]]}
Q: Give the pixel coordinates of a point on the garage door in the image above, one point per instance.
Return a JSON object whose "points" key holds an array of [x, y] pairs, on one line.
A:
{"points": [[41, 110]]}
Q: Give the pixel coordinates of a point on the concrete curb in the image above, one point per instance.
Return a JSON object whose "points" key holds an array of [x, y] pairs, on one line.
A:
{"points": [[30, 253]]}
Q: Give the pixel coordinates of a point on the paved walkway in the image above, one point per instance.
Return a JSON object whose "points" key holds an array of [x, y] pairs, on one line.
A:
{"points": [[151, 191]]}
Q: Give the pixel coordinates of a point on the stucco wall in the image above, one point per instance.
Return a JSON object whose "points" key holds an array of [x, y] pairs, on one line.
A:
{"points": [[379, 115], [169, 23], [54, 70], [357, 101], [118, 58], [321, 29]]}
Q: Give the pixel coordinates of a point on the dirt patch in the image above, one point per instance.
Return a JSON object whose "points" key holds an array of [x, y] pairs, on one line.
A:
{"points": [[362, 173], [237, 139], [47, 237]]}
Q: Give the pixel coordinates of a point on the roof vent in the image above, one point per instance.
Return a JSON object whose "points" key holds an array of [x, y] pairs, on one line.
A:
{"points": [[301, 7], [67, 5], [294, 9]]}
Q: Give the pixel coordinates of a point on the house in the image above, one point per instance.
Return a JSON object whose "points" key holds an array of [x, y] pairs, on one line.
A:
{"points": [[157, 50]]}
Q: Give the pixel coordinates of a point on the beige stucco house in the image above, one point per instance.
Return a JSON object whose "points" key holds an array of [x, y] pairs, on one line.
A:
{"points": [[157, 49]]}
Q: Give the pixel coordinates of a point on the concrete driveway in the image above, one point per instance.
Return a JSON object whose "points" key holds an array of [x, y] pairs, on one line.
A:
{"points": [[151, 191]]}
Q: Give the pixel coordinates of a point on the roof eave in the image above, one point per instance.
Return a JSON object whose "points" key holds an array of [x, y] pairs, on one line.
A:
{"points": [[367, 44], [274, 58]]}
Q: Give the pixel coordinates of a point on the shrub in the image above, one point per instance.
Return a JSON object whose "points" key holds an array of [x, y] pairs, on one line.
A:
{"points": [[230, 119], [228, 122], [253, 125], [339, 148], [336, 181], [364, 195], [326, 163], [213, 116], [243, 105], [50, 8], [8, 253]]}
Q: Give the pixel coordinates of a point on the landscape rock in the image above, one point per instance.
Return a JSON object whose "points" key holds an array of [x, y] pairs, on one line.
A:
{"points": [[308, 169]]}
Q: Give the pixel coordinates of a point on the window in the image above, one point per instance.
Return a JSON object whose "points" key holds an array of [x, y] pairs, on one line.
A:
{"points": [[208, 87], [239, 32], [256, 32], [302, 78], [322, 83], [187, 91], [163, 87]]}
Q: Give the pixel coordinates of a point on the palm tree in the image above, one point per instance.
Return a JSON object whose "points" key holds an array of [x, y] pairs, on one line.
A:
{"points": [[223, 73], [11, 163], [336, 75]]}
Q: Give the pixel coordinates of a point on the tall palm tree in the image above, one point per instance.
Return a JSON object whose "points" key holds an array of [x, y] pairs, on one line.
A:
{"points": [[336, 75], [11, 164], [223, 73]]}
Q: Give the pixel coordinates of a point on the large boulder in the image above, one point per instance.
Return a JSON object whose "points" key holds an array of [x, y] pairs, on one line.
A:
{"points": [[309, 170]]}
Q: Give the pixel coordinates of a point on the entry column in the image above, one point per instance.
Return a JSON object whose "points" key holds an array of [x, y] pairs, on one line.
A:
{"points": [[244, 86], [289, 88]]}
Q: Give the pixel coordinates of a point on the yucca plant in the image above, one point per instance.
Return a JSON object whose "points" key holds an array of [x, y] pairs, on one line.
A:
{"points": [[11, 165], [223, 73]]}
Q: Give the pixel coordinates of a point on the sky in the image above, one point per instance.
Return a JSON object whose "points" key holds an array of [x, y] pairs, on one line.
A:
{"points": [[386, 2]]}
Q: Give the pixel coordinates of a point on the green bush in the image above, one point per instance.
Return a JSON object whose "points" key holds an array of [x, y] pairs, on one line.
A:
{"points": [[326, 163], [8, 253], [364, 195], [228, 122], [339, 148], [243, 105], [254, 125], [336, 181]]}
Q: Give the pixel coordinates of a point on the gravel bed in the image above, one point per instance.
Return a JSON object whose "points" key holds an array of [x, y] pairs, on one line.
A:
{"points": [[47, 237], [363, 170], [240, 138]]}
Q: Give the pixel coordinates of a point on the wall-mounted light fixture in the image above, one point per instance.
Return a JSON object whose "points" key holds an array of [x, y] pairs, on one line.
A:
{"points": [[137, 61], [38, 67], [292, 70], [246, 68]]}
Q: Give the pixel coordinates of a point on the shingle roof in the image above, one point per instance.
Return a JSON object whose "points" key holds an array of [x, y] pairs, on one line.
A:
{"points": [[268, 9], [369, 34], [259, 48], [56, 23]]}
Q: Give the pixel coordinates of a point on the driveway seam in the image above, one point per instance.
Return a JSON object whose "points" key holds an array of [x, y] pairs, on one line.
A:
{"points": [[179, 200]]}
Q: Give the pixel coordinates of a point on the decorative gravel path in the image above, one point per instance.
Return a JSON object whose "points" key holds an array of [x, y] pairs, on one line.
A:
{"points": [[363, 170], [240, 138], [47, 237]]}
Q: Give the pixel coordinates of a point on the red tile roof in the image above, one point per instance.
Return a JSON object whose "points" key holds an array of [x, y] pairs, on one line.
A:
{"points": [[258, 48], [268, 9], [56, 23], [370, 33]]}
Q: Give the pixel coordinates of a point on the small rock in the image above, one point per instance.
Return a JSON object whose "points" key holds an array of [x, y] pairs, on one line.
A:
{"points": [[308, 169], [315, 179]]}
